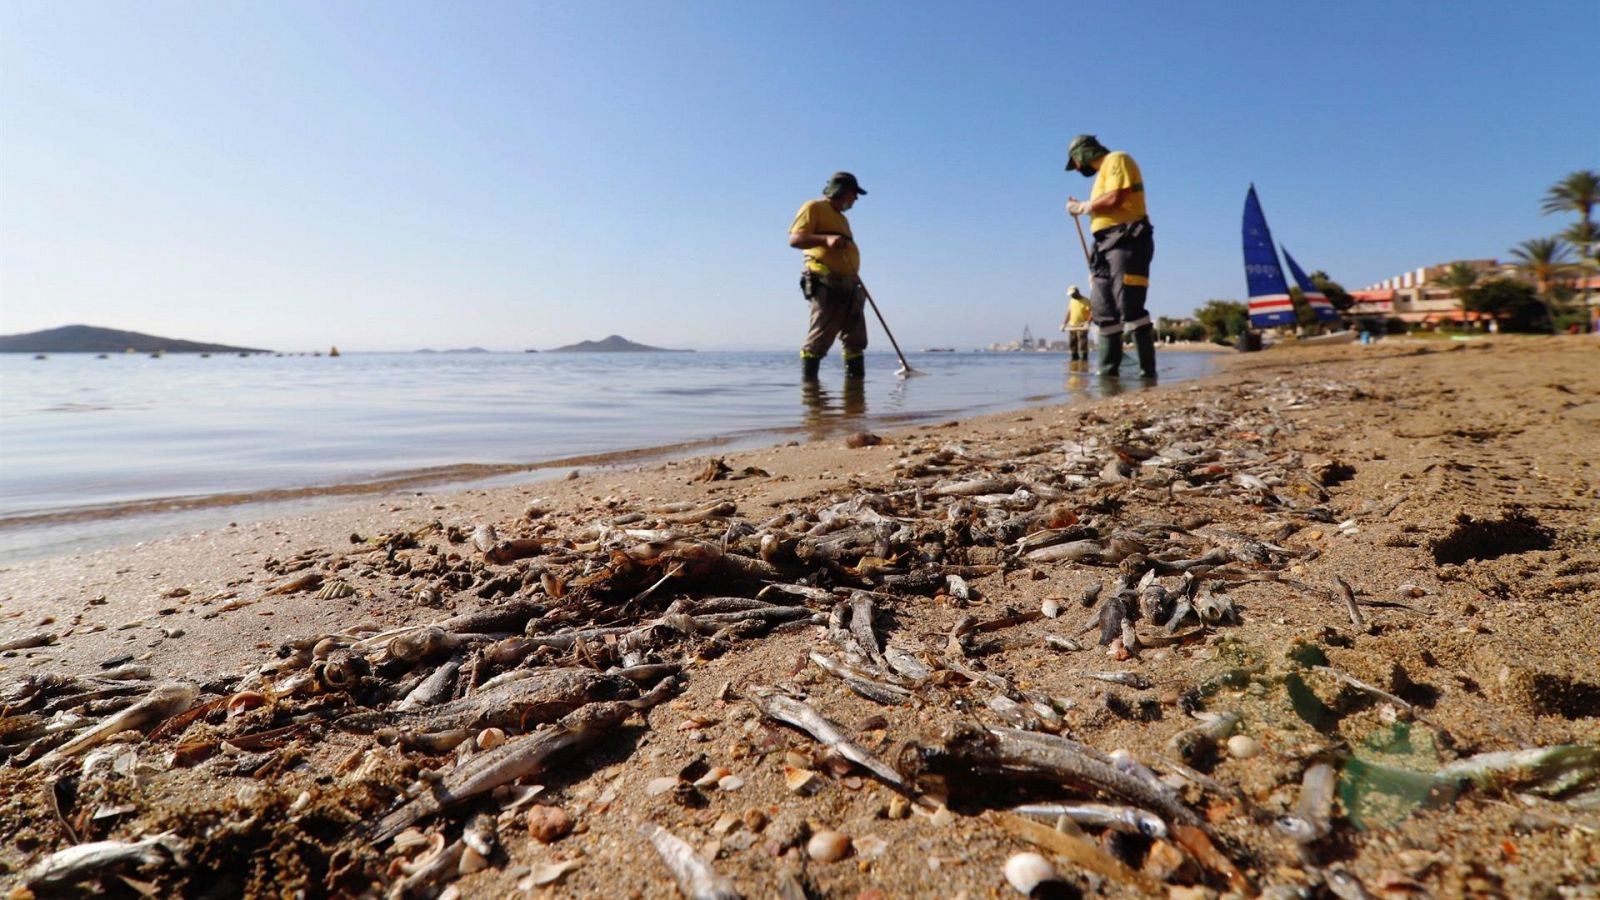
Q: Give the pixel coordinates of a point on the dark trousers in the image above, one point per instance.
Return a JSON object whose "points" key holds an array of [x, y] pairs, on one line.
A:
{"points": [[1120, 266]]}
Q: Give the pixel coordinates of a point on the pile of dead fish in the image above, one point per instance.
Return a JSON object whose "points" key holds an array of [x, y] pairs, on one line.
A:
{"points": [[578, 625]]}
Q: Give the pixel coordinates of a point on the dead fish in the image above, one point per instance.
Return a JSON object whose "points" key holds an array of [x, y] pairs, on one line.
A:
{"points": [[1310, 820], [992, 485], [1213, 608], [906, 664], [860, 682], [75, 864], [1091, 594], [1194, 742], [717, 510], [516, 758], [794, 712], [1127, 679], [1344, 885], [37, 639], [433, 689], [1126, 819], [1063, 758], [695, 877], [166, 701], [1549, 771], [1084, 551]]}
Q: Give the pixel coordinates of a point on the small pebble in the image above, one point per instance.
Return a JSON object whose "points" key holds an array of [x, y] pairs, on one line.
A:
{"points": [[548, 824], [828, 846], [1242, 746]]}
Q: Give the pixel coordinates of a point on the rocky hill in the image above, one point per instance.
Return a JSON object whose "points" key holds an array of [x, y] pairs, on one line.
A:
{"points": [[616, 343], [90, 339]]}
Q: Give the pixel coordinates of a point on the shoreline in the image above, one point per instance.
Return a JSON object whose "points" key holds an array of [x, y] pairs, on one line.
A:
{"points": [[1487, 651], [152, 518]]}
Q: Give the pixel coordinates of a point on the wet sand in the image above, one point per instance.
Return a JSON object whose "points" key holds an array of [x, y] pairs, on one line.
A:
{"points": [[1464, 512]]}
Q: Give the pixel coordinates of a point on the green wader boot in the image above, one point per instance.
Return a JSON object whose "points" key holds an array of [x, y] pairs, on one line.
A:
{"points": [[1145, 341], [1110, 356], [855, 367], [810, 367]]}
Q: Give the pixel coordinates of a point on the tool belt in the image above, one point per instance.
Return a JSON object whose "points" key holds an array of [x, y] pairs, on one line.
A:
{"points": [[818, 286]]}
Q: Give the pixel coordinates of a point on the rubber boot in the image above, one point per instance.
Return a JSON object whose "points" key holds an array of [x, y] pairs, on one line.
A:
{"points": [[855, 366], [1145, 341], [810, 367], [1110, 356]]}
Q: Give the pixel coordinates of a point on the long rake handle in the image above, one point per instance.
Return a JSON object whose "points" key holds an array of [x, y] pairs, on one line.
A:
{"points": [[892, 342], [1083, 243]]}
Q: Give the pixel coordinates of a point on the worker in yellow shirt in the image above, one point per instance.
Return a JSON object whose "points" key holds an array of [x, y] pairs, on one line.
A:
{"points": [[831, 279], [1124, 244], [1076, 324]]}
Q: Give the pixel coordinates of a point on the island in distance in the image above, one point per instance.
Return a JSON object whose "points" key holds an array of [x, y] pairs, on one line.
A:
{"points": [[92, 339], [616, 343]]}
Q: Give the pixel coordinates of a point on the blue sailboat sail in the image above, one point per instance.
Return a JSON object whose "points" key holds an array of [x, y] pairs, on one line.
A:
{"points": [[1269, 292], [1315, 298]]}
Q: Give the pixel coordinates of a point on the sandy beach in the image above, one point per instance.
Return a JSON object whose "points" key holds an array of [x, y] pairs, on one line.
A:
{"points": [[1451, 486]]}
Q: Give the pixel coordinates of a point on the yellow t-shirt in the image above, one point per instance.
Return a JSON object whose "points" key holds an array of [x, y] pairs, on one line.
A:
{"points": [[819, 217], [1078, 313], [1118, 171]]}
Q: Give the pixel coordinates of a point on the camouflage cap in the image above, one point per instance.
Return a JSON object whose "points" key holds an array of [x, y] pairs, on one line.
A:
{"points": [[1084, 148]]}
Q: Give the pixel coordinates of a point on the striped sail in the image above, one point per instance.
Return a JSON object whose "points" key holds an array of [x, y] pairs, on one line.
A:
{"points": [[1315, 298], [1269, 292]]}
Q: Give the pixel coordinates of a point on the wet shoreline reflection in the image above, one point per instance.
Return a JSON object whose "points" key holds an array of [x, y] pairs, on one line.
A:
{"points": [[829, 412]]}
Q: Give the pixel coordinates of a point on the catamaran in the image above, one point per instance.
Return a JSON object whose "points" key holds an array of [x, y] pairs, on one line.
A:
{"points": [[1270, 303]]}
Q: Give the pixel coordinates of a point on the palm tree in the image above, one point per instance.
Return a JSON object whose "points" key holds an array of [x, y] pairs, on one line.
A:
{"points": [[1459, 278], [1579, 193], [1542, 259]]}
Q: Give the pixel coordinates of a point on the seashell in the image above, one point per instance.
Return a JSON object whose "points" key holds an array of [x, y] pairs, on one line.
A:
{"points": [[244, 701], [325, 647], [484, 538], [336, 590], [712, 776], [659, 786], [800, 781], [1051, 608], [471, 861], [546, 873], [828, 846], [490, 738], [1026, 871], [552, 585], [730, 783], [1242, 746]]}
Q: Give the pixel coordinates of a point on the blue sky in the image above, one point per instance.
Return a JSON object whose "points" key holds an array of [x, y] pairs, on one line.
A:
{"points": [[388, 176]]}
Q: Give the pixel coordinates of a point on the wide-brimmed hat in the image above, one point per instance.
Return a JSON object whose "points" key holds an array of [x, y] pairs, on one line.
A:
{"points": [[840, 182]]}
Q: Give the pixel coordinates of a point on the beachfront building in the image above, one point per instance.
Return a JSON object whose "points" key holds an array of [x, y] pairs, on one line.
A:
{"points": [[1418, 299]]}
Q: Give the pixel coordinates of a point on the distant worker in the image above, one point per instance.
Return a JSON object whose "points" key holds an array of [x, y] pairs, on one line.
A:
{"points": [[1124, 244], [1076, 324], [830, 280]]}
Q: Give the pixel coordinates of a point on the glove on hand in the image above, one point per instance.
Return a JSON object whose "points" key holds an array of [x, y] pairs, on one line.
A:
{"points": [[1077, 207]]}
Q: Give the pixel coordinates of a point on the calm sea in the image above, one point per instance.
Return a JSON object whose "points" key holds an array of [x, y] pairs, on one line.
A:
{"points": [[96, 451]]}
